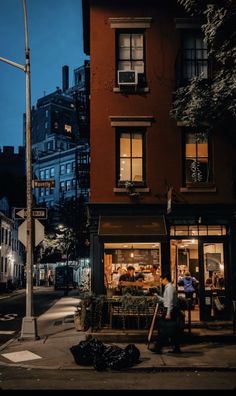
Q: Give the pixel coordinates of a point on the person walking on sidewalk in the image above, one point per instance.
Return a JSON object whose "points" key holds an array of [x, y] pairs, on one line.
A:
{"points": [[167, 325]]}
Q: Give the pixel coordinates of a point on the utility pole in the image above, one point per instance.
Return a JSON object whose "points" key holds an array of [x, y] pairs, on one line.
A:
{"points": [[29, 328]]}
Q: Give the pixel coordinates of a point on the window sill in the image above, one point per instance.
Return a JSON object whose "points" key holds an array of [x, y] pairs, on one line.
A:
{"points": [[129, 90], [138, 189], [198, 189]]}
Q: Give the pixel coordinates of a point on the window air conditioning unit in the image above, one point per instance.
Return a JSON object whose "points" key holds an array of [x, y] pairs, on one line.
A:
{"points": [[127, 77]]}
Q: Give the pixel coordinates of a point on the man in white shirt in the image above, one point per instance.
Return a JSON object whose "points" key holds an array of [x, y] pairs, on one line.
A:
{"points": [[167, 326]]}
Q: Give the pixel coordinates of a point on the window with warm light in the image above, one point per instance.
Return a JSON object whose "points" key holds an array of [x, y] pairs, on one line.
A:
{"points": [[197, 159], [131, 157], [67, 128]]}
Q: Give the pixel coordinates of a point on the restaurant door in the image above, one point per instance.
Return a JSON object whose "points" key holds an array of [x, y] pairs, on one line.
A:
{"points": [[204, 257]]}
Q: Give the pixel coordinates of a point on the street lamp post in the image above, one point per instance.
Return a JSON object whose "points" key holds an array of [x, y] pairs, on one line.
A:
{"points": [[29, 324]]}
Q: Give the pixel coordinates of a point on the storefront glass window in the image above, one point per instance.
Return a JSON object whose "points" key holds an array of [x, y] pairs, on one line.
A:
{"points": [[214, 266], [118, 256]]}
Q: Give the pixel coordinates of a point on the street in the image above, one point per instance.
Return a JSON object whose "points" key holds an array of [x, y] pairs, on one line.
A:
{"points": [[18, 378], [12, 309]]}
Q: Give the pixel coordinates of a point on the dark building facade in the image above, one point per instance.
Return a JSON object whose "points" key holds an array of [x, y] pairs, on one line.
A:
{"points": [[12, 172], [159, 189]]}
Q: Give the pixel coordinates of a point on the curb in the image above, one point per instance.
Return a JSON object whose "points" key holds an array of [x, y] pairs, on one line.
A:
{"points": [[130, 369]]}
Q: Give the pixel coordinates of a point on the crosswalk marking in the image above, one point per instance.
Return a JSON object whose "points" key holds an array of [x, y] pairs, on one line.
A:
{"points": [[7, 332]]}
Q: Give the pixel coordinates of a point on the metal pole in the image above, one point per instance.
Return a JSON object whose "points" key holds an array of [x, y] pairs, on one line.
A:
{"points": [[28, 329]]}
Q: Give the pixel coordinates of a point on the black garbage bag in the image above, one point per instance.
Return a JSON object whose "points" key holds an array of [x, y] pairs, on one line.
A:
{"points": [[94, 352], [100, 363], [132, 353], [117, 358], [97, 347], [84, 353]]}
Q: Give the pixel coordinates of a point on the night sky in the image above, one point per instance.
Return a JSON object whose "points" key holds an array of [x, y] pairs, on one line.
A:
{"points": [[55, 40]]}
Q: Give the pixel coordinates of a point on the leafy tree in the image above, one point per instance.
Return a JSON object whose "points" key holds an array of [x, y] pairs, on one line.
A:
{"points": [[65, 232], [211, 104]]}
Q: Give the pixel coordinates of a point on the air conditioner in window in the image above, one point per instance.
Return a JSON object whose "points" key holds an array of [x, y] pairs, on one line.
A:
{"points": [[127, 77]]}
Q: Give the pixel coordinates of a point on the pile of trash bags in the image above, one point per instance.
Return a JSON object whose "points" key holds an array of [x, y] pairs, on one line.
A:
{"points": [[94, 353]]}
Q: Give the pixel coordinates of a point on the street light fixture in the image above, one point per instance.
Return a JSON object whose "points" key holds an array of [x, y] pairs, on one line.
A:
{"points": [[29, 325]]}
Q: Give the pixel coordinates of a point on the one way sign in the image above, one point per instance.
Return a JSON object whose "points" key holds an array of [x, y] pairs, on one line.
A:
{"points": [[37, 213]]}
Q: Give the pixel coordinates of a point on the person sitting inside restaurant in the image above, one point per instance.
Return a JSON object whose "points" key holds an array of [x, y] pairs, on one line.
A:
{"points": [[153, 280], [127, 281]]}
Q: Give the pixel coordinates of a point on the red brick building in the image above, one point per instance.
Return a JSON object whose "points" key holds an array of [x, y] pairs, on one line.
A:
{"points": [[139, 51]]}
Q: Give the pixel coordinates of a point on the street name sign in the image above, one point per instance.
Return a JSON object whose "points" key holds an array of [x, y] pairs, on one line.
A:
{"points": [[37, 213], [48, 183]]}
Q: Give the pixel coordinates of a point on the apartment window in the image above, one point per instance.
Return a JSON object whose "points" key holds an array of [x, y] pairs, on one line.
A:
{"points": [[197, 158], [62, 186], [130, 156], [195, 57], [68, 168], [52, 172], [73, 183], [47, 174], [67, 128], [68, 185], [130, 53], [62, 169]]}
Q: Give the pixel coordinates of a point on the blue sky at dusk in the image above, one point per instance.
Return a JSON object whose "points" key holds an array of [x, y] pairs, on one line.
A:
{"points": [[55, 40]]}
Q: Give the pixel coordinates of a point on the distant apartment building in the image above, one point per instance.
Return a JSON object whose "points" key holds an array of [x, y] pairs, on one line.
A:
{"points": [[68, 166], [60, 139]]}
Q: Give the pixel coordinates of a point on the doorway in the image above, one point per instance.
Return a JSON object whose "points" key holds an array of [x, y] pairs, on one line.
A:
{"points": [[204, 258], [184, 260]]}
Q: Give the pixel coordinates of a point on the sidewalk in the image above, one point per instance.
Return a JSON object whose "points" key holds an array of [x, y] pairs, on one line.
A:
{"points": [[203, 349]]}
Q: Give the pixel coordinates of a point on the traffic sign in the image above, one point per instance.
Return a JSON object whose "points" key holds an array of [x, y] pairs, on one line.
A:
{"points": [[38, 232], [49, 183], [37, 213]]}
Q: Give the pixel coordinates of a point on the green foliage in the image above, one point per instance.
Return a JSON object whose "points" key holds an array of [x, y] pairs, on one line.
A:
{"points": [[65, 232], [212, 104]]}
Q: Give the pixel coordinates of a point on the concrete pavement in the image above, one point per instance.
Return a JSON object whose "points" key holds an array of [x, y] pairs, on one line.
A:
{"points": [[204, 349]]}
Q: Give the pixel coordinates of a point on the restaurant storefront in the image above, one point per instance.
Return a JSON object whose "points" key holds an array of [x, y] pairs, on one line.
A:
{"points": [[176, 244]]}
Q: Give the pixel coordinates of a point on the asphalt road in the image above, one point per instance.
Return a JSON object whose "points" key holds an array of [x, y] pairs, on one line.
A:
{"points": [[12, 309], [18, 379]]}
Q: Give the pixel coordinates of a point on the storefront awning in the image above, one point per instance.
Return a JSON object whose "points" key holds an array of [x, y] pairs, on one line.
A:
{"points": [[131, 225]]}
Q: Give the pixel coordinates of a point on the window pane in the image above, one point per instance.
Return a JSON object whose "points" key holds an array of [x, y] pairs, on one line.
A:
{"points": [[125, 145], [137, 170], [124, 65], [137, 145], [202, 150], [124, 40], [137, 53], [125, 169], [214, 265], [195, 171], [137, 40], [124, 53], [138, 66], [191, 150]]}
